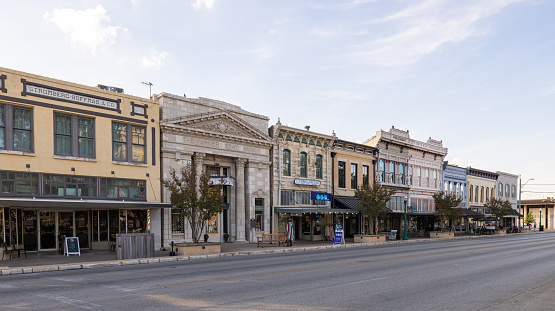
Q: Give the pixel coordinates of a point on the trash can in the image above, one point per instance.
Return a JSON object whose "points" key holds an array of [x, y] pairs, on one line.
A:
{"points": [[541, 228]]}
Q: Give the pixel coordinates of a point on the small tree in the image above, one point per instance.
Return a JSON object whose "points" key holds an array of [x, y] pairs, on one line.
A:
{"points": [[529, 218], [197, 203], [446, 207], [372, 202], [499, 208]]}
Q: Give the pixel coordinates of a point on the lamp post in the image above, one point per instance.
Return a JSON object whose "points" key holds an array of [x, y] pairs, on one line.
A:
{"points": [[405, 226], [540, 219], [520, 195]]}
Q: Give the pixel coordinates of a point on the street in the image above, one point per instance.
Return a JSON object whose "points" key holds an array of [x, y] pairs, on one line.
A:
{"points": [[514, 272]]}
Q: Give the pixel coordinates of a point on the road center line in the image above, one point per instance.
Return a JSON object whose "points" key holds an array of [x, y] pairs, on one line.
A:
{"points": [[344, 264]]}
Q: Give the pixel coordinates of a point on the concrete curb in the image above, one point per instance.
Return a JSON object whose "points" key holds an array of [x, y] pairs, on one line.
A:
{"points": [[125, 262]]}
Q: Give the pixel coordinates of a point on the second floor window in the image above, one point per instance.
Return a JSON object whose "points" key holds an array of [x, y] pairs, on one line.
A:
{"points": [[354, 176], [392, 171], [500, 189], [365, 175], [16, 128], [319, 174], [410, 174], [286, 162], [303, 164], [74, 136], [121, 143], [2, 128], [402, 173], [382, 171], [341, 174]]}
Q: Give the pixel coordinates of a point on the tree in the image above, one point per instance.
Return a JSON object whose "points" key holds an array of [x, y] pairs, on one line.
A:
{"points": [[529, 219], [446, 207], [499, 208], [196, 200], [372, 202]]}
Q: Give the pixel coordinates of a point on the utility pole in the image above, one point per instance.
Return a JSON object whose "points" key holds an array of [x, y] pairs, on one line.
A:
{"points": [[149, 87]]}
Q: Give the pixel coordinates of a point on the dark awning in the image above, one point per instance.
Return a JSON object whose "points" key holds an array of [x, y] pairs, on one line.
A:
{"points": [[79, 204], [305, 210], [346, 202], [466, 212], [514, 214]]}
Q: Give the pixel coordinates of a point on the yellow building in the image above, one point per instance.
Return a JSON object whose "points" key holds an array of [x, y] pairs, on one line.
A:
{"points": [[76, 161]]}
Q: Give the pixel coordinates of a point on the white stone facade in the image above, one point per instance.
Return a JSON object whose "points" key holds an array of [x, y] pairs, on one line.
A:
{"points": [[507, 186], [227, 141]]}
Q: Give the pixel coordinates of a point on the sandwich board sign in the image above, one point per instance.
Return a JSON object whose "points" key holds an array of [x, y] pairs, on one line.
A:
{"points": [[71, 246], [338, 236]]}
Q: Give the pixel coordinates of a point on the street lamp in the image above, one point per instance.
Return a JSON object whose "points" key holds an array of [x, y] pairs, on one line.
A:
{"points": [[405, 227], [540, 219], [520, 195]]}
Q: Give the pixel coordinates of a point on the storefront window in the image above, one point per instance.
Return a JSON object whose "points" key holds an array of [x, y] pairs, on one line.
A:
{"points": [[259, 213], [114, 223], [137, 221], [177, 221], [103, 225], [114, 188], [14, 183]]}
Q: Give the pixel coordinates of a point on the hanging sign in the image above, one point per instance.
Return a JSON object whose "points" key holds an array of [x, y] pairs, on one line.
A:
{"points": [[306, 182], [71, 246], [338, 238], [320, 196]]}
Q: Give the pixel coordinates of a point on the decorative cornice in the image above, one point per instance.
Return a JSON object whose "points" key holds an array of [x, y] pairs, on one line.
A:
{"points": [[182, 129]]}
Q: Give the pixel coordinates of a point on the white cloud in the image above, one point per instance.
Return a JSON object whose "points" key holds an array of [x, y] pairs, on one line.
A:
{"points": [[85, 27], [423, 28], [199, 4], [155, 60]]}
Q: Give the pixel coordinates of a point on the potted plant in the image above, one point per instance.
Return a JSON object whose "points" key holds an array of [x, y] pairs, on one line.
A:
{"points": [[206, 237], [226, 236]]}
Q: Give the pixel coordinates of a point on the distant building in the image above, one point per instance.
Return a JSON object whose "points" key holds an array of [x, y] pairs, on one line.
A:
{"points": [[455, 182], [481, 187]]}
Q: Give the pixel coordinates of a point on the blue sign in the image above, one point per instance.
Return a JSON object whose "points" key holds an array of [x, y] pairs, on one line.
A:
{"points": [[338, 238], [320, 196]]}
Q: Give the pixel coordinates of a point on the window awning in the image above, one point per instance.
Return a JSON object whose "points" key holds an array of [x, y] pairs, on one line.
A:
{"points": [[78, 204], [308, 210]]}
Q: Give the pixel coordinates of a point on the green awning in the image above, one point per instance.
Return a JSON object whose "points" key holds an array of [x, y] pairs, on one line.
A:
{"points": [[308, 210]]}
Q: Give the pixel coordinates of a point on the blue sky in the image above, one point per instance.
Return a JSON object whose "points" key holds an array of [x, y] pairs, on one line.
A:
{"points": [[476, 74]]}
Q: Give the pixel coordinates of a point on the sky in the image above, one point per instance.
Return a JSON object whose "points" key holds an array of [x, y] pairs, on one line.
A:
{"points": [[478, 75]]}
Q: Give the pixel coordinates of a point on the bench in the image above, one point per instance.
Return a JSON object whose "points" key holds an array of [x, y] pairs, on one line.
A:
{"points": [[9, 250], [271, 239]]}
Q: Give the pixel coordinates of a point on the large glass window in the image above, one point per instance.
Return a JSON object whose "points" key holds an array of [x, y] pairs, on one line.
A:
{"points": [[319, 174], [69, 141], [303, 164], [18, 183], [382, 171], [286, 162], [85, 140], [63, 134], [113, 188], [354, 176], [69, 186], [302, 197], [22, 129], [365, 178], [402, 173], [341, 174], [392, 171], [287, 197], [121, 144]]}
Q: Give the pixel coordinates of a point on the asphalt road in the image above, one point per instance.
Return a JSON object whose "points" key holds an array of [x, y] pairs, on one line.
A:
{"points": [[515, 272]]}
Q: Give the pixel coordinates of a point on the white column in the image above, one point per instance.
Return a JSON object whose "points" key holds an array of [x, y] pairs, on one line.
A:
{"points": [[240, 199]]}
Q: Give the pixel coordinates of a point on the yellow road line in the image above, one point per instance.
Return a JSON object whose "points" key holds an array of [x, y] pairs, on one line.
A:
{"points": [[344, 264]]}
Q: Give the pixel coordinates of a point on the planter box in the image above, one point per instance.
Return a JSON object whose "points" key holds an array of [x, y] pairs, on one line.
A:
{"points": [[369, 238], [198, 249], [500, 232], [441, 235], [526, 230]]}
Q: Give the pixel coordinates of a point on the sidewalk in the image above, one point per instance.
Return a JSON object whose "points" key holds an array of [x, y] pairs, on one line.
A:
{"points": [[53, 261]]}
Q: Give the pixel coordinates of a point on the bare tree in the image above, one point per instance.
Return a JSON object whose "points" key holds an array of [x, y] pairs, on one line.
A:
{"points": [[197, 203], [446, 207], [372, 202]]}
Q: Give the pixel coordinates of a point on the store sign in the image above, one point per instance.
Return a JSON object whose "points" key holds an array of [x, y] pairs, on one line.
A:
{"points": [[224, 181], [320, 196], [338, 237], [306, 182], [49, 92]]}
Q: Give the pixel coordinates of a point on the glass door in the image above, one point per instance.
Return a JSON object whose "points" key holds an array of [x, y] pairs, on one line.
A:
{"points": [[28, 230], [82, 228], [47, 230]]}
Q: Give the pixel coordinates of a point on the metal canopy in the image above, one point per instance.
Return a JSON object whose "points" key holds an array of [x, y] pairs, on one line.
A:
{"points": [[79, 204], [307, 210]]}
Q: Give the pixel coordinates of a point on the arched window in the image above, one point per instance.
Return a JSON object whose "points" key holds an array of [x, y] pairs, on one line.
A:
{"points": [[470, 193], [487, 194], [507, 191], [392, 171], [286, 162], [500, 190], [382, 170], [402, 173], [302, 164], [514, 192], [319, 174], [492, 193]]}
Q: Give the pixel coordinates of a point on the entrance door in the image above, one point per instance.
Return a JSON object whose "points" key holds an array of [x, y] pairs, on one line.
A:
{"points": [[82, 228], [47, 230]]}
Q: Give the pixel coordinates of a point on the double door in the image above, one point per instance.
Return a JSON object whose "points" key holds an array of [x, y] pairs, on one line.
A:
{"points": [[55, 224]]}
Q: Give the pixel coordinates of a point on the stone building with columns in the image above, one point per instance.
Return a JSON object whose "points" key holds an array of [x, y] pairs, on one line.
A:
{"points": [[230, 143]]}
